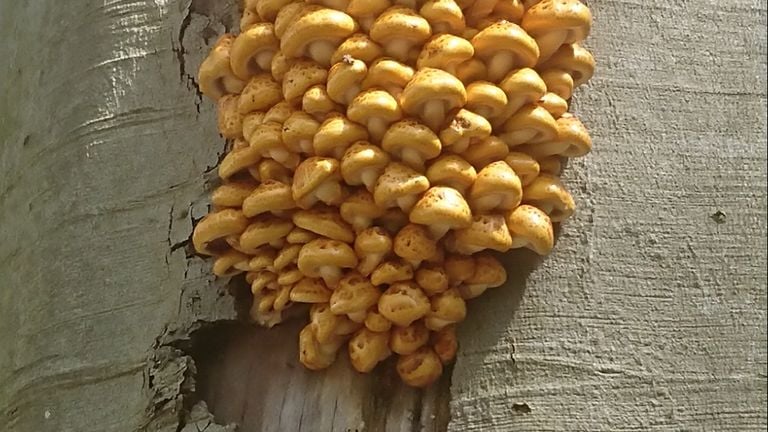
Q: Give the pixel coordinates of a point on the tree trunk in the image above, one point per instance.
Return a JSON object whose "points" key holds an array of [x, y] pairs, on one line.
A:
{"points": [[650, 315]]}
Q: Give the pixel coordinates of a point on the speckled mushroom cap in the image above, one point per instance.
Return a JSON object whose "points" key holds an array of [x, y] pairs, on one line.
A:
{"points": [[452, 171], [549, 194], [253, 49], [309, 290], [421, 368], [403, 303], [445, 343], [359, 210], [431, 94], [486, 99], [216, 226], [390, 272], [345, 79], [265, 229], [414, 244], [574, 59], [556, 22], [355, 294], [464, 129], [260, 94], [558, 82], [445, 52], [268, 9], [526, 167], [230, 263], [531, 228], [406, 340], [326, 222], [300, 236], [399, 186], [432, 279], [215, 76], [388, 74], [317, 179], [287, 256], [487, 231], [230, 120], [298, 132], [358, 46], [300, 77], [314, 355], [496, 188], [366, 11], [444, 16], [269, 196], [485, 152], [287, 15], [398, 29], [489, 273], [411, 142], [318, 104], [367, 348], [504, 46], [446, 308], [554, 104], [336, 134], [441, 209], [522, 87], [326, 258], [371, 246], [232, 194], [376, 109], [376, 322], [317, 33], [363, 163], [531, 124], [238, 160]]}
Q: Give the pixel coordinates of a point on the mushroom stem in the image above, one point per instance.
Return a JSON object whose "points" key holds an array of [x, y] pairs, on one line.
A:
{"points": [[549, 43], [331, 275], [438, 231], [369, 178], [434, 114], [322, 51], [329, 192], [377, 126], [407, 202], [460, 146], [412, 158], [369, 263], [264, 60], [399, 49], [500, 64]]}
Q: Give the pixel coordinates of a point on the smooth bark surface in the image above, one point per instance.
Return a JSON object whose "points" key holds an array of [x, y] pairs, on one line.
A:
{"points": [[650, 315]]}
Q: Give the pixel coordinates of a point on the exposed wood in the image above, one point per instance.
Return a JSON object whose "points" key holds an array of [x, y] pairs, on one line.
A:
{"points": [[651, 314]]}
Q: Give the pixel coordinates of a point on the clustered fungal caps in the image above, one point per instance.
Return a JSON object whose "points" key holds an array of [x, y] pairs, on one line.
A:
{"points": [[381, 152]]}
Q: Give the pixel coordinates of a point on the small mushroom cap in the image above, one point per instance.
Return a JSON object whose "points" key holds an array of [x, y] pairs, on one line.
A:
{"points": [[485, 232], [557, 22], [299, 236], [485, 152], [411, 142], [269, 169], [442, 206], [310, 290], [497, 187], [359, 210], [558, 82], [213, 228], [268, 9], [532, 228], [249, 18], [336, 134], [286, 257], [232, 194], [479, 9], [355, 293], [432, 93], [317, 103], [466, 128], [572, 140], [398, 29], [522, 86], [262, 258], [318, 32], [288, 277], [367, 349], [445, 343], [299, 131], [432, 278], [530, 124], [362, 164], [413, 243], [269, 196], [446, 308], [376, 322], [459, 268], [358, 46], [366, 11], [549, 194], [267, 139], [280, 65], [406, 340], [505, 46], [253, 49], [486, 99], [421, 368], [325, 252], [262, 310], [388, 74], [279, 113], [326, 222], [287, 16], [265, 230], [554, 104], [445, 52], [345, 79], [390, 272], [230, 120], [489, 273], [399, 186], [452, 171], [314, 355], [301, 75], [215, 76], [230, 263], [371, 246], [260, 94], [238, 160], [510, 10], [376, 109], [261, 281], [403, 303], [526, 167], [574, 59], [316, 176], [250, 122], [444, 16]]}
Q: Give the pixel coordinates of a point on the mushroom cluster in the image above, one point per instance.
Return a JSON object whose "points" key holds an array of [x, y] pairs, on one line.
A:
{"points": [[381, 152]]}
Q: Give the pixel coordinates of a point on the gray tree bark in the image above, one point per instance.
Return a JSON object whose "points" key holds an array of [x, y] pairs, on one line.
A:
{"points": [[650, 315]]}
